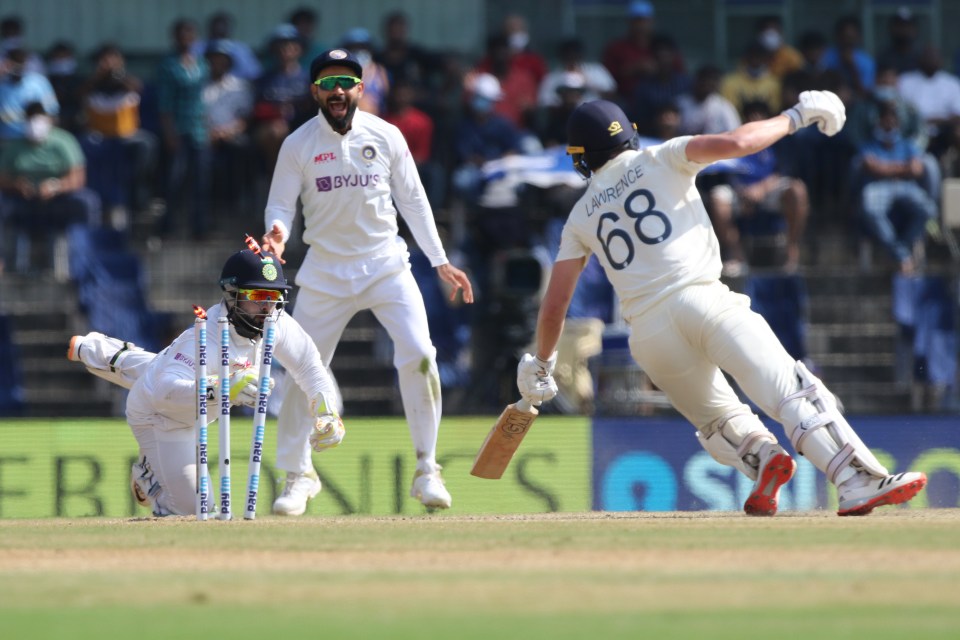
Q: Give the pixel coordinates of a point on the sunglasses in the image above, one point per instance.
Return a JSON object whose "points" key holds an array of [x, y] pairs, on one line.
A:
{"points": [[331, 82], [262, 295]]}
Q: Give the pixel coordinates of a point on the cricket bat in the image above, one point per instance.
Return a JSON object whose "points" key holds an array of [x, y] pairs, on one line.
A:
{"points": [[502, 441]]}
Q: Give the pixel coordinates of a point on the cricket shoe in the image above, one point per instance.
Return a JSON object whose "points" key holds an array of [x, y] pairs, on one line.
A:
{"points": [[876, 492], [300, 487], [775, 470], [428, 488]]}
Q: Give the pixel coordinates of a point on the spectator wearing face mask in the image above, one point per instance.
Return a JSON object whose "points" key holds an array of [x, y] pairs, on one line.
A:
{"points": [[19, 87], [43, 180], [894, 206], [784, 59], [752, 81], [376, 83]]}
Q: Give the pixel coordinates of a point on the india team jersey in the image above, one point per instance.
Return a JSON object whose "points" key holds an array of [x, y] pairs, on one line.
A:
{"points": [[643, 218], [167, 384], [348, 185]]}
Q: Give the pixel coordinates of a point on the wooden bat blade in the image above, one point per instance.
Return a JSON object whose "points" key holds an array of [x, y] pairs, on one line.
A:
{"points": [[502, 441]]}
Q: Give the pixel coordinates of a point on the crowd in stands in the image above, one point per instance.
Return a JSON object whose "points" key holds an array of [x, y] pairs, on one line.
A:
{"points": [[192, 146]]}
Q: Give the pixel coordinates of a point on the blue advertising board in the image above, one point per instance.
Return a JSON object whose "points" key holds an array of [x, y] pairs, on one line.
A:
{"points": [[656, 464]]}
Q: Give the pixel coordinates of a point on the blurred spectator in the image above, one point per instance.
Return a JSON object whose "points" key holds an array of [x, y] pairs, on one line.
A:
{"points": [[282, 100], [305, 20], [903, 50], [12, 36], [519, 100], [228, 103], [417, 129], [598, 83], [752, 80], [813, 47], [704, 110], [514, 30], [376, 84], [864, 115], [849, 58], [895, 208], [18, 88], [630, 58], [784, 59], [666, 122], [571, 90], [66, 81], [758, 188], [42, 177], [936, 95], [181, 77], [407, 61], [220, 28], [483, 134], [121, 155], [663, 87]]}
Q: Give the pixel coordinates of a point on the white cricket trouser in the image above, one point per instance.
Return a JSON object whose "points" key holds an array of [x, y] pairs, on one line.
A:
{"points": [[684, 342], [397, 303], [170, 449]]}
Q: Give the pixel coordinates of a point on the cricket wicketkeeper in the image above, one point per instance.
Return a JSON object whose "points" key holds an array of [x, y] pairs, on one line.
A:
{"points": [[161, 406]]}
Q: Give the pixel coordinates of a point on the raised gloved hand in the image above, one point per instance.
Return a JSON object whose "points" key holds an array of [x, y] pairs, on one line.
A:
{"points": [[822, 108], [535, 378], [328, 428]]}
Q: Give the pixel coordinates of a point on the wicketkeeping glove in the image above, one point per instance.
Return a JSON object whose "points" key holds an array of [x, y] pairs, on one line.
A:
{"points": [[328, 428], [244, 387], [535, 378], [822, 108]]}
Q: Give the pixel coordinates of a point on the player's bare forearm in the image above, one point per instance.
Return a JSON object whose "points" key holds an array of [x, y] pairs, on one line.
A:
{"points": [[553, 308], [742, 141]]}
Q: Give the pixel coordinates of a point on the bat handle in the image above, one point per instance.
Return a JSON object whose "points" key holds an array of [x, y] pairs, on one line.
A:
{"points": [[524, 405]]}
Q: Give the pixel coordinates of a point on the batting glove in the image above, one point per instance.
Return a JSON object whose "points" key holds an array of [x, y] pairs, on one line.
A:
{"points": [[328, 428], [535, 378], [822, 108]]}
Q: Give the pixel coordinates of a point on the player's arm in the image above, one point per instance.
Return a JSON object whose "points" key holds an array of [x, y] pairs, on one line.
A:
{"points": [[553, 309], [282, 200], [821, 108]]}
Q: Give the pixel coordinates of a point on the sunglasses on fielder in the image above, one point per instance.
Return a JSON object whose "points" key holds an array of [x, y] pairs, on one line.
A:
{"points": [[261, 295], [330, 82]]}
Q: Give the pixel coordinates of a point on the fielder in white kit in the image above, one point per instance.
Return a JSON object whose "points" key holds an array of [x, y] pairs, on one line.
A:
{"points": [[643, 218], [353, 173], [161, 406]]}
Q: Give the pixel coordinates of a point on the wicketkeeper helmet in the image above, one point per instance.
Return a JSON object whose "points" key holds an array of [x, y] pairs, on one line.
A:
{"points": [[251, 270]]}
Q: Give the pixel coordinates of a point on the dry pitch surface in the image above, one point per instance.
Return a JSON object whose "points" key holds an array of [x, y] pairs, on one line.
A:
{"points": [[893, 574]]}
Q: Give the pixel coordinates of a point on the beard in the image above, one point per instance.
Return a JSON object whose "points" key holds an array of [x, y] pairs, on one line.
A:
{"points": [[342, 122]]}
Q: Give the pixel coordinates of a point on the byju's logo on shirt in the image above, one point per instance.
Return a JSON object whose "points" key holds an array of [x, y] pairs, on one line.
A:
{"points": [[329, 183], [320, 158]]}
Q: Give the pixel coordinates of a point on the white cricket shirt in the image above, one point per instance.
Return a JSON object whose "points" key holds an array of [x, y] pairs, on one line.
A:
{"points": [[349, 185], [643, 218], [167, 385]]}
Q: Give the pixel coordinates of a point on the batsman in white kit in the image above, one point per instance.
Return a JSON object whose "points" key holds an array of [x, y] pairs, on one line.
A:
{"points": [[643, 218], [353, 173], [161, 405]]}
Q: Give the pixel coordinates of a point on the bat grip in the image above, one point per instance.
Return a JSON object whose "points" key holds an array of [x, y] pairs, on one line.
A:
{"points": [[524, 405]]}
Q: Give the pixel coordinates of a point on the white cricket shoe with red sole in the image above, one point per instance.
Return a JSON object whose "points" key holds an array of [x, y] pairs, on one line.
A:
{"points": [[893, 489], [776, 469]]}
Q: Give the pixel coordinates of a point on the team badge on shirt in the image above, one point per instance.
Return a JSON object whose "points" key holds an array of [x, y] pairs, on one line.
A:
{"points": [[368, 153]]}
